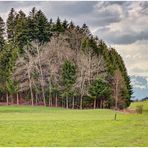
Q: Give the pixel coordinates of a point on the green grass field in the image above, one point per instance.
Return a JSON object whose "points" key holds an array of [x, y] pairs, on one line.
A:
{"points": [[43, 126]]}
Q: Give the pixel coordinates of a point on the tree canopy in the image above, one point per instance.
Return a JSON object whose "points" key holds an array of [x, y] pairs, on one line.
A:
{"points": [[59, 64]]}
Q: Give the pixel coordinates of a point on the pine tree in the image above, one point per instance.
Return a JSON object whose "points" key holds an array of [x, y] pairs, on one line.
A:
{"points": [[11, 88], [68, 79], [78, 28], [58, 26], [85, 29], [71, 25], [32, 24], [7, 60], [65, 24], [22, 31], [11, 25], [51, 25], [43, 33], [2, 29], [39, 28], [51, 21], [99, 89]]}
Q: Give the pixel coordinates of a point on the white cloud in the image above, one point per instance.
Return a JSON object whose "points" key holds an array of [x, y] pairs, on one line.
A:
{"points": [[135, 56]]}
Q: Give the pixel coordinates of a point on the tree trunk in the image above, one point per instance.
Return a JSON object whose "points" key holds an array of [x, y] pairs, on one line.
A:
{"points": [[7, 98], [116, 96], [31, 96], [81, 102], [36, 98], [67, 102], [51, 102], [94, 103], [89, 69], [63, 102], [12, 101], [17, 98], [101, 101], [30, 86], [43, 95], [42, 80], [56, 100], [73, 102]]}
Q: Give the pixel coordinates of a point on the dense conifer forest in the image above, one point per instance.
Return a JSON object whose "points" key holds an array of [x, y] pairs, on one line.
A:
{"points": [[58, 64]]}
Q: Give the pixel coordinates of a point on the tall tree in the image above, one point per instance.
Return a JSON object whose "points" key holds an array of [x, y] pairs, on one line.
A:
{"points": [[58, 26], [2, 30], [11, 26], [65, 24], [22, 31], [8, 57], [120, 73], [85, 29], [12, 89], [68, 78], [43, 30], [32, 24], [71, 25]]}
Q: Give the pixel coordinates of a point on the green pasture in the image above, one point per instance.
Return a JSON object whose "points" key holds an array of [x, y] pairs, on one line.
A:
{"points": [[44, 126]]}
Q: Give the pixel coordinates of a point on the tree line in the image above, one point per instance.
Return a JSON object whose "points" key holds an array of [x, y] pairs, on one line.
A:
{"points": [[58, 64]]}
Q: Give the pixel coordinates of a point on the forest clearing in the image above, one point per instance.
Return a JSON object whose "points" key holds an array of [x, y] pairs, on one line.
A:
{"points": [[44, 126]]}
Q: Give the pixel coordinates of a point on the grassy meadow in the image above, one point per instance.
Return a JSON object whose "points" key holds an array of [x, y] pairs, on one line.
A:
{"points": [[44, 126]]}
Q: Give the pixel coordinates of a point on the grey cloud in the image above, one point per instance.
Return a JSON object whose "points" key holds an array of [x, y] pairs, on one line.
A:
{"points": [[128, 38], [132, 21], [69, 8], [106, 13], [7, 5], [72, 10], [122, 37], [91, 12], [144, 5]]}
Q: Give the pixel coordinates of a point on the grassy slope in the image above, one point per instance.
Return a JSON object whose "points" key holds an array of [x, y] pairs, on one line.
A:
{"points": [[144, 104], [43, 126]]}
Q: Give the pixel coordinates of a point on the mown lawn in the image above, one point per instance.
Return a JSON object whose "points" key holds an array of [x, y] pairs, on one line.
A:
{"points": [[43, 126]]}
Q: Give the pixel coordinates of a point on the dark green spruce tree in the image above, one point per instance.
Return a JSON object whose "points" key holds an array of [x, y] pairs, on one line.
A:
{"points": [[43, 30], [2, 30], [11, 26], [68, 79], [39, 27], [22, 31], [58, 27], [32, 24], [100, 89], [8, 57], [65, 24]]}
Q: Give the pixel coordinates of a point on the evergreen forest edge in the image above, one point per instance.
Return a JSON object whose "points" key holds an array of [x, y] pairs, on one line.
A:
{"points": [[58, 64]]}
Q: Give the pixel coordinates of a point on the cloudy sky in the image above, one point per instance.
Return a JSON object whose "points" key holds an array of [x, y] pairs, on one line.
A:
{"points": [[123, 25]]}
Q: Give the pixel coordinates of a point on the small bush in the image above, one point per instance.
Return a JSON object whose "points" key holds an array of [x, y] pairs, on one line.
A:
{"points": [[139, 109]]}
